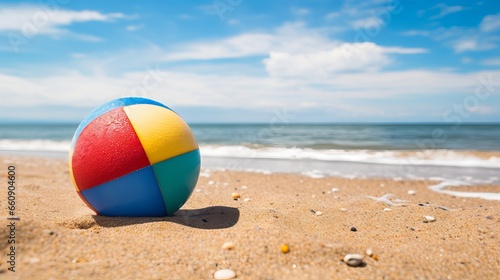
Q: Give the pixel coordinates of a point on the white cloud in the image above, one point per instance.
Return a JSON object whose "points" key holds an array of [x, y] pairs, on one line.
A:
{"points": [[22, 22], [291, 37], [491, 61], [34, 19], [348, 57], [472, 44], [367, 23], [332, 15], [416, 33], [301, 11], [134, 27], [490, 23], [445, 10], [78, 55], [466, 60]]}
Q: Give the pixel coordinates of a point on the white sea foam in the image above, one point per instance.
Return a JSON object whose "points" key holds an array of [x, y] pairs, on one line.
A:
{"points": [[429, 157], [454, 183], [437, 157], [41, 145]]}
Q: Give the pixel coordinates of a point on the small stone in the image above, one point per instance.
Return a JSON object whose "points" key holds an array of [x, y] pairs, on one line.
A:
{"points": [[246, 199], [34, 260], [235, 195], [429, 219], [353, 260], [421, 204], [229, 246], [198, 190], [354, 229], [412, 192], [335, 190], [319, 213], [285, 249], [343, 209], [369, 252], [244, 187], [387, 209], [211, 182], [224, 274]]}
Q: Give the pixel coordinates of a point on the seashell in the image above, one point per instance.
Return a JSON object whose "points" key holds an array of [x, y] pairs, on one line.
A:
{"points": [[224, 274], [353, 260], [235, 195], [369, 252], [229, 246], [429, 219]]}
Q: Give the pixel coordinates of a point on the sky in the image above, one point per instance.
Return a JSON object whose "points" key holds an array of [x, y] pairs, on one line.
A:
{"points": [[254, 60]]}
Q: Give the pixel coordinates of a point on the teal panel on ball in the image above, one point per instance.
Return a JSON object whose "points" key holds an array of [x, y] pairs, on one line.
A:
{"points": [[177, 178], [133, 195]]}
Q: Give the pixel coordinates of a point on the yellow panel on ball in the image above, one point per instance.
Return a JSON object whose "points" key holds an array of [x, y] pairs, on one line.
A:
{"points": [[163, 134]]}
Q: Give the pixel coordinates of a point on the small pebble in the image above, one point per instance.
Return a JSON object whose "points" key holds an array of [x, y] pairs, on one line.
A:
{"points": [[412, 192], [34, 260], [224, 274], [387, 209], [420, 204], [429, 219], [354, 229], [211, 182], [244, 187], [369, 252], [319, 213], [285, 249], [343, 209], [335, 190], [246, 199], [198, 190], [229, 246], [353, 260], [235, 195]]}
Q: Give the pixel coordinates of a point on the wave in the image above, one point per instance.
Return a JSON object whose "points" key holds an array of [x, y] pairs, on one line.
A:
{"points": [[37, 145], [428, 157]]}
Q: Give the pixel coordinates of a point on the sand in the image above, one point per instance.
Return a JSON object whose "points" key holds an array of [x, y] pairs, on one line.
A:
{"points": [[58, 237]]}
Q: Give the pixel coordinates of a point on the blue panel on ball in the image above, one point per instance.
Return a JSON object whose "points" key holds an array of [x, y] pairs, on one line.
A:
{"points": [[177, 178], [113, 104], [133, 195]]}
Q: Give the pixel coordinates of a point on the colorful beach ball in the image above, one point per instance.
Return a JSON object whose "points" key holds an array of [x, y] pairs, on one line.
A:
{"points": [[134, 157]]}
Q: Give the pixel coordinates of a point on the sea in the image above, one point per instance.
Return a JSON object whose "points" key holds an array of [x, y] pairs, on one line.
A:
{"points": [[454, 155]]}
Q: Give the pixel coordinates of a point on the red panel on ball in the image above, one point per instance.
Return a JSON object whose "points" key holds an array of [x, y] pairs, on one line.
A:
{"points": [[106, 149]]}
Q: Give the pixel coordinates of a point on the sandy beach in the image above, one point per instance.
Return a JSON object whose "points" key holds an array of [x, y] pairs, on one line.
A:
{"points": [[58, 237]]}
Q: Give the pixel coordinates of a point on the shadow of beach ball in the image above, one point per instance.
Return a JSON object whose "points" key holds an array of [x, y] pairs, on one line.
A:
{"points": [[134, 157]]}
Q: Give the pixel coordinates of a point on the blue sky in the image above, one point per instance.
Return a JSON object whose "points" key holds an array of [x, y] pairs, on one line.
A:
{"points": [[254, 61]]}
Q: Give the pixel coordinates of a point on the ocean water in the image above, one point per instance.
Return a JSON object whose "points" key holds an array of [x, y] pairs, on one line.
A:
{"points": [[399, 151]]}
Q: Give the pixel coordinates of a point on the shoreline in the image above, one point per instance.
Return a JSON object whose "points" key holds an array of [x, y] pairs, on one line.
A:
{"points": [[60, 237]]}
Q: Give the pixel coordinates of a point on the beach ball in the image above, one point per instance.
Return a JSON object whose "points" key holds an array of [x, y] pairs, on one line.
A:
{"points": [[134, 157]]}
